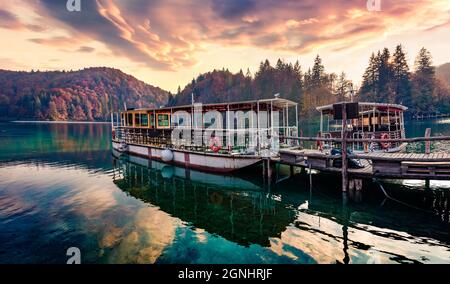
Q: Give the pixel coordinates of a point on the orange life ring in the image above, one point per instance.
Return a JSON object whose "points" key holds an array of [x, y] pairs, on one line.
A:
{"points": [[385, 136], [320, 145], [214, 144]]}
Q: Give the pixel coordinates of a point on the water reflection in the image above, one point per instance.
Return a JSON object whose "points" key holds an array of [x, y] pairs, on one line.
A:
{"points": [[75, 143], [222, 205], [60, 187], [296, 225]]}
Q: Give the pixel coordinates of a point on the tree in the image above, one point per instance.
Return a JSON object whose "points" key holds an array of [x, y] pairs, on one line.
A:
{"points": [[342, 87], [248, 74], [401, 77], [368, 90], [383, 82], [318, 71], [424, 82], [52, 110]]}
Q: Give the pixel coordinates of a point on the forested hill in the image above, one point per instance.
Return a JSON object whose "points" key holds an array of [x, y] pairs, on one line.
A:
{"points": [[387, 79], [309, 89], [87, 94]]}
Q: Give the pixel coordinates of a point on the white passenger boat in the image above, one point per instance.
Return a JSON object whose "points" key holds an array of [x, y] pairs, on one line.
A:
{"points": [[374, 121], [221, 137]]}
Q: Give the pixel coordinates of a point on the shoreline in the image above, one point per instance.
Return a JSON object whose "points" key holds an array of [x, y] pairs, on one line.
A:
{"points": [[59, 121]]}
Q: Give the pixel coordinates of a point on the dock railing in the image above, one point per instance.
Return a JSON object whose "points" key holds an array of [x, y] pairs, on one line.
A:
{"points": [[369, 140]]}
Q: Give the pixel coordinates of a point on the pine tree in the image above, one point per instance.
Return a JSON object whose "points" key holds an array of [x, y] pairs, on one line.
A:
{"points": [[318, 71], [298, 69], [342, 87], [424, 82], [367, 90], [401, 78], [384, 71], [280, 65], [248, 74]]}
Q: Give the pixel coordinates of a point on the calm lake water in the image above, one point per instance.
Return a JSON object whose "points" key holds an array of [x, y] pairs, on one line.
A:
{"points": [[61, 187]]}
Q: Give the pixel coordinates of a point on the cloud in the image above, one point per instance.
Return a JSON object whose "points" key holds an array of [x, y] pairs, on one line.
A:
{"points": [[57, 41], [86, 49], [168, 35], [10, 21]]}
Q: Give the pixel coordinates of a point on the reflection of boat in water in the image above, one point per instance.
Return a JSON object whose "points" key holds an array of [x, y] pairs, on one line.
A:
{"points": [[245, 214], [168, 171]]}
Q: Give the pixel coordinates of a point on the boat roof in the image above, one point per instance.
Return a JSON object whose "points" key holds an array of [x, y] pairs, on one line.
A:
{"points": [[370, 104], [277, 102]]}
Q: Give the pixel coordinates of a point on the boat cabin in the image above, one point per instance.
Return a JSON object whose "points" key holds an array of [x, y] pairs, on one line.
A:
{"points": [[375, 120], [243, 127]]}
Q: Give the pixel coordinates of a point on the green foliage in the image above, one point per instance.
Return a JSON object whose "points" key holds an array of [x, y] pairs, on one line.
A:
{"points": [[388, 79], [424, 83]]}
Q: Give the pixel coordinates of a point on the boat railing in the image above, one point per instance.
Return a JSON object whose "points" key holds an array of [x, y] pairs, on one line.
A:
{"points": [[245, 144], [358, 146]]}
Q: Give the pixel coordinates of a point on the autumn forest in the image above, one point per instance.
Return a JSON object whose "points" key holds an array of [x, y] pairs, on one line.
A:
{"points": [[91, 93]]}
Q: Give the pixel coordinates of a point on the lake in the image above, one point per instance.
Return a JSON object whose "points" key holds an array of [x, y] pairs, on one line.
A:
{"points": [[61, 187]]}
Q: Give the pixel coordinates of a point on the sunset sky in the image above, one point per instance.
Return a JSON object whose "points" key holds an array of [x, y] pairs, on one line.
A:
{"points": [[168, 42]]}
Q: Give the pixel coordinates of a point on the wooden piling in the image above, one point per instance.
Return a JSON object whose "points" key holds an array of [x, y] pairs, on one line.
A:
{"points": [[344, 148], [427, 143], [269, 171], [310, 177]]}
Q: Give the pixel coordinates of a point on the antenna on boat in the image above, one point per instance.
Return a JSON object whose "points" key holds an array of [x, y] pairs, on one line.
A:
{"points": [[192, 98], [352, 92], [277, 95]]}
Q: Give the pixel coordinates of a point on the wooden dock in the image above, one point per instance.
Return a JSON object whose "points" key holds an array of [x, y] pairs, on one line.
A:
{"points": [[433, 166]]}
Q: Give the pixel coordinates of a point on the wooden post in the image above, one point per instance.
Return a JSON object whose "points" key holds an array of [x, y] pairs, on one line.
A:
{"points": [[427, 184], [310, 177], [427, 143], [264, 171], [269, 171], [344, 148]]}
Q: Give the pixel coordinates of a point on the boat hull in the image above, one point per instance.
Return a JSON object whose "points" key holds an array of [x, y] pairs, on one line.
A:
{"points": [[210, 162]]}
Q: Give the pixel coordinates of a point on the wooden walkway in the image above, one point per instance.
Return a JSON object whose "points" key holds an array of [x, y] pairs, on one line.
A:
{"points": [[382, 165]]}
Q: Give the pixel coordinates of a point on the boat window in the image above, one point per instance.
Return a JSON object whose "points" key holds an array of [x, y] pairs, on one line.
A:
{"points": [[163, 120], [144, 119], [137, 119], [130, 119]]}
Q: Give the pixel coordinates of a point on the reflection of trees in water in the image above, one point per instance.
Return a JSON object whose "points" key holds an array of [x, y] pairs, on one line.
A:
{"points": [[324, 229], [244, 217], [80, 142], [57, 137]]}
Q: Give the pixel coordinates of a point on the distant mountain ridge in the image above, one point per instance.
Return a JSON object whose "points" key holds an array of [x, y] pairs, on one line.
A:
{"points": [[84, 95]]}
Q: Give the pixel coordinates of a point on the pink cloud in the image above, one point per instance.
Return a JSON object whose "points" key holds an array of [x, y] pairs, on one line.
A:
{"points": [[167, 35]]}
